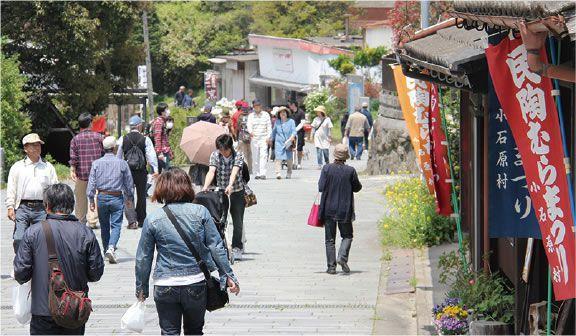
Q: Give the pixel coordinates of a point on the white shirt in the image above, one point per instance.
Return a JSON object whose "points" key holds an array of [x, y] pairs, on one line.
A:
{"points": [[322, 130], [27, 180], [259, 125], [180, 280]]}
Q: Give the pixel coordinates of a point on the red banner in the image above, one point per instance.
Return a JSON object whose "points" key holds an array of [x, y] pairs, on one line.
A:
{"points": [[529, 107], [439, 157], [417, 98]]}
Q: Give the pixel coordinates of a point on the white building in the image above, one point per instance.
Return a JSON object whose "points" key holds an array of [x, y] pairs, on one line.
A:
{"points": [[289, 68], [378, 34]]}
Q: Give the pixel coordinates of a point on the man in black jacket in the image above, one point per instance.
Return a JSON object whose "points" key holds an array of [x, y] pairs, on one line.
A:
{"points": [[78, 252]]}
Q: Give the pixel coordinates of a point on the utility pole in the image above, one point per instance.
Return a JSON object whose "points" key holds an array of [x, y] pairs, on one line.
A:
{"points": [[148, 64], [424, 14]]}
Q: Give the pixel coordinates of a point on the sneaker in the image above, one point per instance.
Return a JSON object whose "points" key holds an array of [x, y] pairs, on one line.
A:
{"points": [[331, 271], [299, 167], [288, 177], [237, 253], [262, 177], [133, 226], [344, 266], [257, 177], [278, 177], [111, 255]]}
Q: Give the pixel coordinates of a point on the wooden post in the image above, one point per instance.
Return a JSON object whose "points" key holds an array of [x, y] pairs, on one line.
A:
{"points": [[148, 64]]}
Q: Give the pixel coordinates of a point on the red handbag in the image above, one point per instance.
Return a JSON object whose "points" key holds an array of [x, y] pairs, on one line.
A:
{"points": [[313, 217]]}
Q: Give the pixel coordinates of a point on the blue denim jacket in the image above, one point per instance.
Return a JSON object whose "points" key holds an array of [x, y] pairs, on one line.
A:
{"points": [[174, 258]]}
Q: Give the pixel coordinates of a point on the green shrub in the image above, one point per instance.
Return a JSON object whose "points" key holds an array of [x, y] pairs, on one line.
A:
{"points": [[179, 115], [412, 220], [62, 171], [489, 295]]}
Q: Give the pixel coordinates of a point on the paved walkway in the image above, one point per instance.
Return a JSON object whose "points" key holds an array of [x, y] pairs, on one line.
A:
{"points": [[283, 285]]}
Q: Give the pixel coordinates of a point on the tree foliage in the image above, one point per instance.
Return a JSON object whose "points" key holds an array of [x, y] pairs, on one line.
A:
{"points": [[80, 51], [14, 122], [405, 17], [343, 64]]}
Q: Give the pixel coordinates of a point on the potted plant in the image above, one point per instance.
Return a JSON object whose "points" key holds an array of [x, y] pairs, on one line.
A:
{"points": [[450, 317]]}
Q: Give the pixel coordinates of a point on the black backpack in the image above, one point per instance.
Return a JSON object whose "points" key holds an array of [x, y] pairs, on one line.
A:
{"points": [[135, 155]]}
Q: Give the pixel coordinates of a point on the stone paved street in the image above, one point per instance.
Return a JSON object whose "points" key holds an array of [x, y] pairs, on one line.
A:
{"points": [[283, 285]]}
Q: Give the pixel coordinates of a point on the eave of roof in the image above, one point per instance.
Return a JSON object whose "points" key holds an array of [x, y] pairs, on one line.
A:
{"points": [[284, 42]]}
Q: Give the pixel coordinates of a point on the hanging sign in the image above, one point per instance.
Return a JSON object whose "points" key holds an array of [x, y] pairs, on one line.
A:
{"points": [[439, 157], [416, 98], [529, 107], [510, 211]]}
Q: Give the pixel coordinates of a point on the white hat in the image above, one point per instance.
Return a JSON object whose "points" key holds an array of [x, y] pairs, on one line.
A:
{"points": [[365, 104], [31, 138], [109, 142], [275, 110]]}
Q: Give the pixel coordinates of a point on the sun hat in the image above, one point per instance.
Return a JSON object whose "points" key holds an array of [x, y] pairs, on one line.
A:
{"points": [[341, 152], [365, 104], [31, 138], [109, 142], [320, 109], [134, 120], [275, 110]]}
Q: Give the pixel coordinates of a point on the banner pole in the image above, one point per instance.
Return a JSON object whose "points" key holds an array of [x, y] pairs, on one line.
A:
{"points": [[556, 60], [455, 205], [549, 304]]}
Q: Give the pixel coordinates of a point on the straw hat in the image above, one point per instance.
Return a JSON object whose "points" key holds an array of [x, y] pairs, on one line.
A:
{"points": [[341, 152], [284, 108], [321, 109]]}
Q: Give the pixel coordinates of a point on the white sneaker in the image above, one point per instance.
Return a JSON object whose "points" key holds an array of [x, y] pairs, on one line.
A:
{"points": [[299, 167], [111, 255], [237, 253]]}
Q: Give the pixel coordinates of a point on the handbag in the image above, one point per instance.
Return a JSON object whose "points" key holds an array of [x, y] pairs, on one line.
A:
{"points": [[69, 309], [249, 197], [313, 217], [217, 298]]}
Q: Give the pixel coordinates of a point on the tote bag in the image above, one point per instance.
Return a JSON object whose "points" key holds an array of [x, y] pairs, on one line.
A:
{"points": [[313, 219]]}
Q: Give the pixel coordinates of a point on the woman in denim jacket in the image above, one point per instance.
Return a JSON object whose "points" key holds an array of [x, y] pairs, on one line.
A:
{"points": [[179, 284]]}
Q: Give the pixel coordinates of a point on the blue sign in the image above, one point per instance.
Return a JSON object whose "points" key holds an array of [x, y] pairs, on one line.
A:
{"points": [[510, 211]]}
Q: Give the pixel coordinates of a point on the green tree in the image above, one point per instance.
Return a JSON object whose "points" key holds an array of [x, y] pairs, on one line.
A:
{"points": [[298, 19], [14, 123], [80, 51], [343, 64]]}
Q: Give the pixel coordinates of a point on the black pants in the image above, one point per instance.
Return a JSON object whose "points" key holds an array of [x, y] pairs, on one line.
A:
{"points": [[177, 303], [237, 205], [346, 232], [140, 180], [45, 325]]}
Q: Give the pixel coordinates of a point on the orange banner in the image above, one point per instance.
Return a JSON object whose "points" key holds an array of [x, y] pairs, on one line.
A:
{"points": [[414, 97]]}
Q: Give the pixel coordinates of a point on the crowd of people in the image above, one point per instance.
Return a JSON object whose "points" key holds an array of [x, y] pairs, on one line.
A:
{"points": [[106, 171]]}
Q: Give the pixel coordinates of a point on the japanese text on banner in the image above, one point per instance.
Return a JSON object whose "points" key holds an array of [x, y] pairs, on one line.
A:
{"points": [[529, 107]]}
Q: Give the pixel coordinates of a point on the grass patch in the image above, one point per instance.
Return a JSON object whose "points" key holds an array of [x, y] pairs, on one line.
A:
{"points": [[411, 221]]}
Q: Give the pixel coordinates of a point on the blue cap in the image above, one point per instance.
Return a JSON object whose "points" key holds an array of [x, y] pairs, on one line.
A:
{"points": [[134, 120], [256, 102]]}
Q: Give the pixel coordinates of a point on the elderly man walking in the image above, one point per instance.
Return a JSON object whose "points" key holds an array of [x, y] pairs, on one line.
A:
{"points": [[138, 151], [356, 127], [85, 148], [111, 177], [77, 252], [260, 128], [27, 180]]}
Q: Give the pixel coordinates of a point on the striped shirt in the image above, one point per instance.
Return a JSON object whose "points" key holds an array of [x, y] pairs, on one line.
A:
{"points": [[85, 147], [259, 126], [111, 174]]}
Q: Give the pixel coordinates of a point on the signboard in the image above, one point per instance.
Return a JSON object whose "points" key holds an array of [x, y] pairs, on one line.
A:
{"points": [[510, 212], [355, 91], [142, 77], [528, 105], [211, 85], [283, 60]]}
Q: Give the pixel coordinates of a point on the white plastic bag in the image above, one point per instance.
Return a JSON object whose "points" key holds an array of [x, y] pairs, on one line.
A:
{"points": [[345, 141], [133, 318], [22, 303]]}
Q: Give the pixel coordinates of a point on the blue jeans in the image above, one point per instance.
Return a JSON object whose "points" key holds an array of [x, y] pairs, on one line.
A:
{"points": [[25, 216], [322, 153], [110, 214], [355, 144], [177, 303]]}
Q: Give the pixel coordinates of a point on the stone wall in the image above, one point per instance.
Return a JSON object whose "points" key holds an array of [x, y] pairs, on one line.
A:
{"points": [[390, 146]]}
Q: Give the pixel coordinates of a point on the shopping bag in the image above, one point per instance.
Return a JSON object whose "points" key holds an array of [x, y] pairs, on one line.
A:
{"points": [[313, 219], [22, 303], [345, 141], [133, 318]]}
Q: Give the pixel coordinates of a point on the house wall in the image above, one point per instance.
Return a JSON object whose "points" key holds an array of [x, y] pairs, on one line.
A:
{"points": [[293, 65], [379, 36]]}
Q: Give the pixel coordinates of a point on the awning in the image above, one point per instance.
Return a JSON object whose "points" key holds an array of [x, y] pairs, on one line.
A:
{"points": [[291, 86], [449, 56]]}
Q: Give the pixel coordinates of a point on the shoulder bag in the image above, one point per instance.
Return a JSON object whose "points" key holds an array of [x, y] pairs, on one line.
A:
{"points": [[217, 298], [69, 309]]}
